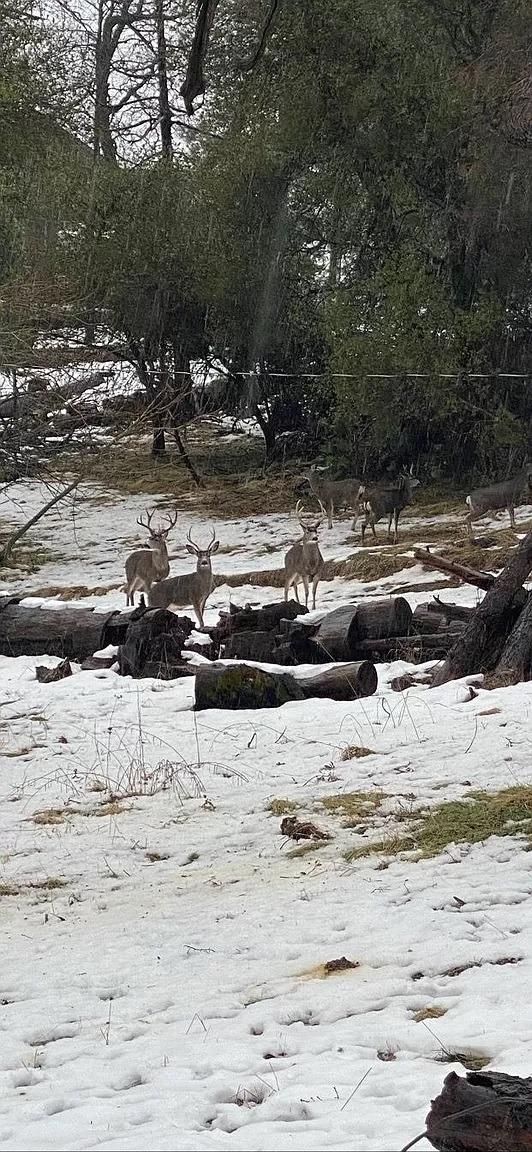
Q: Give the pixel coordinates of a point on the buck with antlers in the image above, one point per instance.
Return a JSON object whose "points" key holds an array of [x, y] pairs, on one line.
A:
{"points": [[303, 562], [150, 563], [191, 588]]}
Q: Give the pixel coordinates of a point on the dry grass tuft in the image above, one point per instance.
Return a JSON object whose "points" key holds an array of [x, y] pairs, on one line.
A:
{"points": [[282, 807], [73, 592], [305, 848], [50, 884], [473, 1060], [431, 1012], [50, 816], [356, 752], [111, 808]]}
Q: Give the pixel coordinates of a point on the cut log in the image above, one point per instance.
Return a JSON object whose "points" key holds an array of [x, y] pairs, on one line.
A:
{"points": [[260, 646], [482, 580], [255, 619], [482, 641], [243, 686], [482, 1112], [340, 632], [72, 633], [516, 658], [426, 621], [422, 641], [154, 645], [450, 611]]}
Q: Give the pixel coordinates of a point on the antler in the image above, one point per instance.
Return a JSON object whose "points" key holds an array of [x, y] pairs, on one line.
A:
{"points": [[171, 520], [212, 540], [148, 524], [192, 543]]}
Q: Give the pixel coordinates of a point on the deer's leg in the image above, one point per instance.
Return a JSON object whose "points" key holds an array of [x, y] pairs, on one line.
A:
{"points": [[373, 526], [354, 524], [330, 510], [314, 587], [469, 525], [512, 516], [363, 527], [306, 586], [198, 609], [396, 526], [390, 518]]}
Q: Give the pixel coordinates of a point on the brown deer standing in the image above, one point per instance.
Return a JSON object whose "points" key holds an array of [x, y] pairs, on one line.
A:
{"points": [[191, 588], [303, 562], [150, 563]]}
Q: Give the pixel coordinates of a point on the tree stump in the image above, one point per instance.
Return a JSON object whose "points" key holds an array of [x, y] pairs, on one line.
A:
{"points": [[483, 1112], [154, 644]]}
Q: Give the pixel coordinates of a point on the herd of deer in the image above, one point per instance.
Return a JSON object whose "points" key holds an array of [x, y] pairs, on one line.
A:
{"points": [[148, 569]]}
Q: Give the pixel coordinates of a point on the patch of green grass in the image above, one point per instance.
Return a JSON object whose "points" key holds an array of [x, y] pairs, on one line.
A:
{"points": [[352, 806], [282, 807], [390, 845], [483, 814], [470, 821]]}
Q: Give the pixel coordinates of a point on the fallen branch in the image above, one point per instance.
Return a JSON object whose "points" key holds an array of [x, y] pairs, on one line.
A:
{"points": [[482, 580]]}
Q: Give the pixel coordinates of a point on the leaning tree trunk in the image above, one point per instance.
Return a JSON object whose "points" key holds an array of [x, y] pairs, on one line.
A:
{"points": [[482, 641], [516, 656]]}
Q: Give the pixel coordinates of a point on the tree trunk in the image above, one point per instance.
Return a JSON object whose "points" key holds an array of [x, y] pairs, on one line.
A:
{"points": [[186, 458], [516, 656], [165, 114], [483, 1112], [194, 82], [20, 532], [158, 447], [481, 642]]}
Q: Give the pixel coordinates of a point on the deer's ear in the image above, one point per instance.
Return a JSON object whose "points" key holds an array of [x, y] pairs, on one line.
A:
{"points": [[190, 548], [214, 547]]}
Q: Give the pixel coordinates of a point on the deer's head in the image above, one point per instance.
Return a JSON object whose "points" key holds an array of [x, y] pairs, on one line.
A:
{"points": [[157, 535], [309, 527], [203, 555]]}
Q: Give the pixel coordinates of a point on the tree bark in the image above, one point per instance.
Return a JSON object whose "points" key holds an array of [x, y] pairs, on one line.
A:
{"points": [[480, 644], [516, 656], [165, 114], [194, 82]]}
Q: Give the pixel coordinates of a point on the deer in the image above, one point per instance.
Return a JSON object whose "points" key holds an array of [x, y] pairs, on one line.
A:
{"points": [[333, 495], [193, 587], [507, 494], [303, 562], [390, 501], [150, 563]]}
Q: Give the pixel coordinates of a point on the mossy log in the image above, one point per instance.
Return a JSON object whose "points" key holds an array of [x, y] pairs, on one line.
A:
{"points": [[245, 686]]}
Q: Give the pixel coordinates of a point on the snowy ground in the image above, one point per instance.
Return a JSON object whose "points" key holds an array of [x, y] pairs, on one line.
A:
{"points": [[161, 979]]}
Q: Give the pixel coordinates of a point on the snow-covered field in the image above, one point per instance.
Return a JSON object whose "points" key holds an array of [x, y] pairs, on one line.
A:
{"points": [[161, 981]]}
